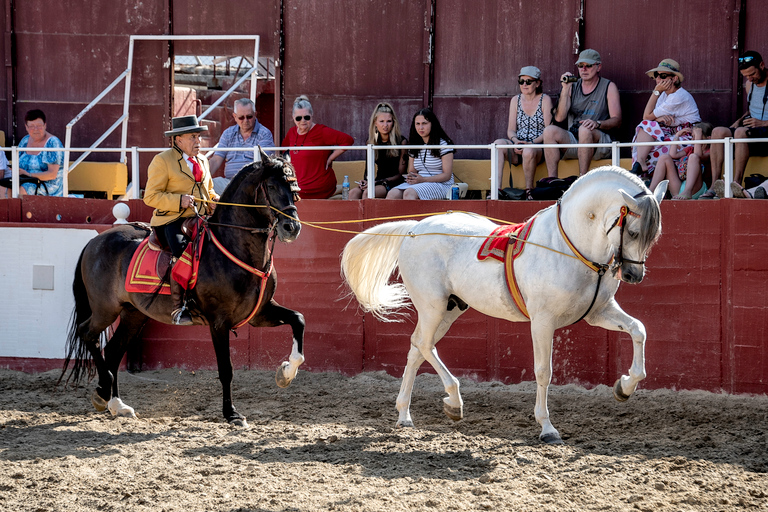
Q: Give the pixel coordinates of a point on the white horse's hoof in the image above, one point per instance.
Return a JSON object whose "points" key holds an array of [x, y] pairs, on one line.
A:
{"points": [[404, 424], [618, 394], [98, 403], [455, 413], [551, 438], [118, 408], [280, 378], [239, 422]]}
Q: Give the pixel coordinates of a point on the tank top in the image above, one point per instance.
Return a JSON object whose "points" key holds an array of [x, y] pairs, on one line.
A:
{"points": [[756, 101], [529, 127], [589, 106]]}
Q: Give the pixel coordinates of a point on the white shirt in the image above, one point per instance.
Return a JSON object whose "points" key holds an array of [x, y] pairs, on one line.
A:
{"points": [[680, 104]]}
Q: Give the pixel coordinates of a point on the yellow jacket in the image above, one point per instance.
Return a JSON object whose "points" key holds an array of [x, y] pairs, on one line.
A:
{"points": [[169, 178]]}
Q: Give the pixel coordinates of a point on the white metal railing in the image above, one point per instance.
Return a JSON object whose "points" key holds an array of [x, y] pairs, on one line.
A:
{"points": [[370, 156], [127, 74]]}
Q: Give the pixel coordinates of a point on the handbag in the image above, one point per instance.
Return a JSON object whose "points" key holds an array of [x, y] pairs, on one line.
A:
{"points": [[753, 180]]}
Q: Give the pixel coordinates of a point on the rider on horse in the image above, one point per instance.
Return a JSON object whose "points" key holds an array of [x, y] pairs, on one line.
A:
{"points": [[176, 179]]}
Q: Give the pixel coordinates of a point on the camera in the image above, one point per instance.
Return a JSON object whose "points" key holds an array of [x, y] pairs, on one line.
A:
{"points": [[570, 79]]}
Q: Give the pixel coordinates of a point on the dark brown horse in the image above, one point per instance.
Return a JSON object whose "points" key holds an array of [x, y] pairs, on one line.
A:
{"points": [[226, 294]]}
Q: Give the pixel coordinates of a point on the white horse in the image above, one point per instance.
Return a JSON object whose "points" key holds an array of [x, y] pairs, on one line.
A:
{"points": [[608, 221]]}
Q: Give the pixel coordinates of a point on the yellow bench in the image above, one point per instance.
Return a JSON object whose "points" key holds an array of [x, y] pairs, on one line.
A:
{"points": [[757, 165], [477, 173], [110, 178]]}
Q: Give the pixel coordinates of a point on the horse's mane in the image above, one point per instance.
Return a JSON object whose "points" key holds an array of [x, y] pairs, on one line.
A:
{"points": [[649, 211]]}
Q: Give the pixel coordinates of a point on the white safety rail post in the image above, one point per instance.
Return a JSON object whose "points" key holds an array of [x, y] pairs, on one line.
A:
{"points": [[728, 166], [135, 177], [494, 172], [615, 156], [370, 171], [15, 171]]}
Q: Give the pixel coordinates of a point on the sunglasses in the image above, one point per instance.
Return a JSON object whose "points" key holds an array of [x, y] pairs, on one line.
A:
{"points": [[526, 82], [584, 66], [247, 116], [663, 76], [744, 62], [306, 118]]}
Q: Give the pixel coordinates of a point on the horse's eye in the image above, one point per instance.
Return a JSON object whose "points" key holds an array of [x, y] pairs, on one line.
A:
{"points": [[633, 234]]}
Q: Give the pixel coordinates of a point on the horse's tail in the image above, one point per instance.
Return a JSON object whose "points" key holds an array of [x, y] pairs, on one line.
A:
{"points": [[367, 263], [75, 346]]}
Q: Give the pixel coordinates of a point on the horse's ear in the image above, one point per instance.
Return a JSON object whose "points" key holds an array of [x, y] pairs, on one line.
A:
{"points": [[631, 201], [661, 191], [286, 156], [264, 156]]}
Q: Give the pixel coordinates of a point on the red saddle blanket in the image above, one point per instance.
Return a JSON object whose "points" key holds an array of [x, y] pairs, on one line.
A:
{"points": [[143, 276], [505, 244]]}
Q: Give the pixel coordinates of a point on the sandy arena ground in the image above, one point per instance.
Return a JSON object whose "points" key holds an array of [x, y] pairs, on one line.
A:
{"points": [[329, 443]]}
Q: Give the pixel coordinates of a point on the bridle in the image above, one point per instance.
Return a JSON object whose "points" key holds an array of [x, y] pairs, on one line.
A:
{"points": [[616, 259]]}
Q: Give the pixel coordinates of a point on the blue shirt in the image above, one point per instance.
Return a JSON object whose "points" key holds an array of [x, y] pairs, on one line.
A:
{"points": [[231, 138], [38, 163]]}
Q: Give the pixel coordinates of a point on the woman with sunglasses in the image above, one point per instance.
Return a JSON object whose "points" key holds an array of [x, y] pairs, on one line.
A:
{"points": [[529, 113], [669, 110], [430, 171], [391, 163], [314, 170]]}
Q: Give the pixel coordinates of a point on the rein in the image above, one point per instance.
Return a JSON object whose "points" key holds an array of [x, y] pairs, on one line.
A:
{"points": [[601, 268]]}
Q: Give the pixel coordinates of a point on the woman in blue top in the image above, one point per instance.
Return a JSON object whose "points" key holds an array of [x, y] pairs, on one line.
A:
{"points": [[43, 165]]}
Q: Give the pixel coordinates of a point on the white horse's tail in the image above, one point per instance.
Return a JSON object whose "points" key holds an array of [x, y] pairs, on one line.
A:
{"points": [[367, 264]]}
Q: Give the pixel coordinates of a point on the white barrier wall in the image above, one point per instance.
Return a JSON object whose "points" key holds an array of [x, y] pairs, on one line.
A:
{"points": [[36, 270]]}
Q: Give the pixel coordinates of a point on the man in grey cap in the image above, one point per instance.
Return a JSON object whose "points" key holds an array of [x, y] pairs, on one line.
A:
{"points": [[591, 105]]}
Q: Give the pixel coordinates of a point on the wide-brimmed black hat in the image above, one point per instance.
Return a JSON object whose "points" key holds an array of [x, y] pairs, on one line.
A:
{"points": [[185, 124]]}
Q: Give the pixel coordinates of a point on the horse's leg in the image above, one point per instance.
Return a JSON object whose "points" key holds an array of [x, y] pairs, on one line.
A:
{"points": [[541, 334], [430, 329], [272, 315], [403, 403], [131, 323], [613, 318], [220, 337], [90, 335]]}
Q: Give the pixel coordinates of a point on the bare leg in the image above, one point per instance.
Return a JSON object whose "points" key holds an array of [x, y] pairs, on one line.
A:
{"points": [[740, 155], [502, 156], [411, 194], [693, 179], [395, 194], [661, 171], [717, 153], [531, 158], [643, 151], [554, 135]]}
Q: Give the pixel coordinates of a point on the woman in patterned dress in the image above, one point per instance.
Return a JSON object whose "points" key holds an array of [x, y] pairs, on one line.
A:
{"points": [[430, 174], [46, 166], [529, 113]]}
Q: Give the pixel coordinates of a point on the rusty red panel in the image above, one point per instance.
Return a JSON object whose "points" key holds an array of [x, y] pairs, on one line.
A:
{"points": [[350, 48], [242, 17]]}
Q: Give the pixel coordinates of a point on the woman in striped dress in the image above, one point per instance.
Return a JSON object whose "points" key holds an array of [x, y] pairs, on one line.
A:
{"points": [[430, 173]]}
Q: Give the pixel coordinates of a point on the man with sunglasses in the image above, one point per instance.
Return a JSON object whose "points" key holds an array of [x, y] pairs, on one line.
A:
{"points": [[247, 133], [592, 107], [753, 124]]}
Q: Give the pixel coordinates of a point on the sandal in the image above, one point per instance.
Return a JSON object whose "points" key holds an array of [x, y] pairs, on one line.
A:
{"points": [[680, 198], [709, 194], [528, 195], [719, 188], [739, 191]]}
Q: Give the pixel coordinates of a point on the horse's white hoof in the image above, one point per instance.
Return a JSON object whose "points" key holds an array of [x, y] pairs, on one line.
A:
{"points": [[239, 422], [618, 394], [280, 378], [404, 424], [118, 408], [551, 438], [98, 403]]}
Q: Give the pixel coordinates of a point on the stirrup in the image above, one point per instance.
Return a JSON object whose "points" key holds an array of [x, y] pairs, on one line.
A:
{"points": [[181, 316]]}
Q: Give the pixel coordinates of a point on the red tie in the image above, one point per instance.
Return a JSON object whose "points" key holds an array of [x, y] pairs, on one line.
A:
{"points": [[196, 170]]}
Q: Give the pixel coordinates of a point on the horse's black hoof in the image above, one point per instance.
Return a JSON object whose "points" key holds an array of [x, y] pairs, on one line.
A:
{"points": [[618, 394], [551, 438]]}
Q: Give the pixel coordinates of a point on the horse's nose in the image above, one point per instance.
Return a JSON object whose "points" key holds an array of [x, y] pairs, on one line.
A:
{"points": [[632, 274]]}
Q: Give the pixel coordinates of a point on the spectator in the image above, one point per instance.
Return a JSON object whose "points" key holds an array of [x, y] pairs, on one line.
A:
{"points": [[430, 174], [176, 180], [384, 129], [753, 124], [670, 110], [7, 173], [247, 133], [529, 113], [314, 170], [46, 166], [592, 108], [683, 165]]}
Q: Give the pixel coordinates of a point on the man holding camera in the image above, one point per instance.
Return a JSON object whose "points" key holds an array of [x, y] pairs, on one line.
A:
{"points": [[752, 125], [591, 105]]}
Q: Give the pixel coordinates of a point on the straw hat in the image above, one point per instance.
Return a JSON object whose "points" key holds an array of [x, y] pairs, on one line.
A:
{"points": [[667, 66]]}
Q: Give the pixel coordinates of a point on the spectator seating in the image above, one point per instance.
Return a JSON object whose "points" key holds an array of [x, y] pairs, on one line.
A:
{"points": [[111, 178]]}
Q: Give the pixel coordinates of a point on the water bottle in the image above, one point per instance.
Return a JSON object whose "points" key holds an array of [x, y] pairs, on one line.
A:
{"points": [[455, 192], [345, 188]]}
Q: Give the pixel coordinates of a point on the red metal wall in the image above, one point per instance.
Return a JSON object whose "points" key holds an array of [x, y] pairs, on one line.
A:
{"points": [[703, 302]]}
